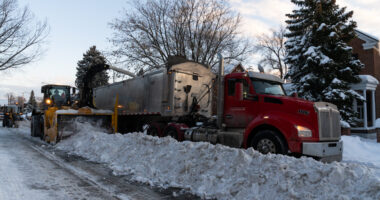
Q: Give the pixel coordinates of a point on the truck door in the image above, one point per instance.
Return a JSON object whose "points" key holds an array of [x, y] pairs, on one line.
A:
{"points": [[240, 106]]}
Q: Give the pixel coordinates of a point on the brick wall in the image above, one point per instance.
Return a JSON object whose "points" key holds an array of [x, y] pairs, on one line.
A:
{"points": [[371, 59]]}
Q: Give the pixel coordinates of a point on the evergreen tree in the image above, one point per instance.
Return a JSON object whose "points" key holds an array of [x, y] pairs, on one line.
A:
{"points": [[321, 64], [91, 58], [32, 103]]}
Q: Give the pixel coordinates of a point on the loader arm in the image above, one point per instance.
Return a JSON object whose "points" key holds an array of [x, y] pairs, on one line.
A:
{"points": [[86, 98]]}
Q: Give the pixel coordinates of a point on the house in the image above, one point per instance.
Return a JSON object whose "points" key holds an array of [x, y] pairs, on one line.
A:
{"points": [[366, 49], [232, 68]]}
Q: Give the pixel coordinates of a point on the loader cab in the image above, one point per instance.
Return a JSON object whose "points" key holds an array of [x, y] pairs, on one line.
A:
{"points": [[57, 95]]}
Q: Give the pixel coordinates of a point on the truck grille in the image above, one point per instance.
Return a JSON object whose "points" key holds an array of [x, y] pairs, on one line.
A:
{"points": [[328, 121]]}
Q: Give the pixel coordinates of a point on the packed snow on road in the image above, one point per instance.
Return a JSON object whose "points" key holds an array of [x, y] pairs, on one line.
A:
{"points": [[216, 171]]}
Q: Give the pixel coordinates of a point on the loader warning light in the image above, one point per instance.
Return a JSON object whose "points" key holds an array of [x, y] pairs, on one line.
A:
{"points": [[48, 101], [120, 106]]}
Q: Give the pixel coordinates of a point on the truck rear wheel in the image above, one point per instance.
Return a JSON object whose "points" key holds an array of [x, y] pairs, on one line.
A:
{"points": [[268, 141]]}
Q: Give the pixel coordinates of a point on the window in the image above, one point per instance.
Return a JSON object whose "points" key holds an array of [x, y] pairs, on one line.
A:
{"points": [[59, 95], [232, 85], [267, 87]]}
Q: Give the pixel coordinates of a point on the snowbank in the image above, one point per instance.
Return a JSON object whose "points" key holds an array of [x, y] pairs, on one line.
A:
{"points": [[360, 150], [216, 171], [377, 123]]}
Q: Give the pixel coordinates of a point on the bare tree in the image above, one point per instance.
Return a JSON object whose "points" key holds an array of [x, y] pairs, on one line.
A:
{"points": [[11, 98], [20, 36], [271, 48], [194, 29], [20, 100]]}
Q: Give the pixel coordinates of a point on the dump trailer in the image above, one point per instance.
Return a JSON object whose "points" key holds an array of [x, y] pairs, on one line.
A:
{"points": [[252, 111], [160, 96], [56, 118]]}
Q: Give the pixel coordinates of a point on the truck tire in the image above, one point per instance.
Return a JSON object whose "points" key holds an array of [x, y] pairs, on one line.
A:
{"points": [[171, 131], [268, 141]]}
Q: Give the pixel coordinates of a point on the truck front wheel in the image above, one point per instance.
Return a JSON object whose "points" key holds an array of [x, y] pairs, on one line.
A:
{"points": [[268, 141]]}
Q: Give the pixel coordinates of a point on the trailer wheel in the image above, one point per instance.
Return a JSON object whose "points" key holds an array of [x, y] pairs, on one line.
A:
{"points": [[153, 130], [268, 141]]}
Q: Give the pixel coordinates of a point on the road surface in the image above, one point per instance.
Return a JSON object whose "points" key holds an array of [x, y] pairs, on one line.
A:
{"points": [[31, 169]]}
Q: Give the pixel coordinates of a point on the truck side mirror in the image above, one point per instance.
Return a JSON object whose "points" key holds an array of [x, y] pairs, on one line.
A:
{"points": [[239, 90], [74, 90], [294, 94]]}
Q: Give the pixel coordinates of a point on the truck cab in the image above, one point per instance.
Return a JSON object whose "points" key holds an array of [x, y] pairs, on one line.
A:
{"points": [[256, 105]]}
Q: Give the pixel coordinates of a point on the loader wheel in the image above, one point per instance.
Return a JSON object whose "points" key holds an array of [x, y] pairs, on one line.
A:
{"points": [[34, 126], [268, 141], [31, 128]]}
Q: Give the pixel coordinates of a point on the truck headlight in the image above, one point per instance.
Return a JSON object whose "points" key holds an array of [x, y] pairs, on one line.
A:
{"points": [[303, 131]]}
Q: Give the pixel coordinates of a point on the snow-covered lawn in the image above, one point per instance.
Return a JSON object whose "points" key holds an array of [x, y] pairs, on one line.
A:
{"points": [[360, 150], [216, 171]]}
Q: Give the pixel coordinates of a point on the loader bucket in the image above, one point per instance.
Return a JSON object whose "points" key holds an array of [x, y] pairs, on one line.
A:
{"points": [[60, 124], [67, 124]]}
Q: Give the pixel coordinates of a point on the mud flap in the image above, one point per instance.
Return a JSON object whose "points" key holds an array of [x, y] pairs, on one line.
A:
{"points": [[68, 124]]}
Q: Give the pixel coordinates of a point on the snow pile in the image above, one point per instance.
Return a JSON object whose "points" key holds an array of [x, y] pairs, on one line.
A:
{"points": [[377, 123], [368, 79], [92, 111], [68, 111], [216, 171], [360, 150]]}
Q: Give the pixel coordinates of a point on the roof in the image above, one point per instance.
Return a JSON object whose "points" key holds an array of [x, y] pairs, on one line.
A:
{"points": [[368, 79], [229, 68], [263, 76], [367, 82], [370, 41]]}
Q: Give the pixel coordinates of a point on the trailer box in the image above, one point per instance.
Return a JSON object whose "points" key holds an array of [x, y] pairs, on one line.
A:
{"points": [[164, 92]]}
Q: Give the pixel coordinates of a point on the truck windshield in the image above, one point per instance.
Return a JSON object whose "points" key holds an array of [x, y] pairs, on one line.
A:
{"points": [[267, 87]]}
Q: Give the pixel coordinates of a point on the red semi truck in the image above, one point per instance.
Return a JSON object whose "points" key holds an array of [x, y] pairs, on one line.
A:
{"points": [[253, 111]]}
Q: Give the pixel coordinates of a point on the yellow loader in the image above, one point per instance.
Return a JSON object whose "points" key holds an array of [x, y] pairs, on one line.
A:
{"points": [[56, 117]]}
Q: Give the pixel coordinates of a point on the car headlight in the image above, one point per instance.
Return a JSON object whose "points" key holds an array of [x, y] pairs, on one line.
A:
{"points": [[303, 131]]}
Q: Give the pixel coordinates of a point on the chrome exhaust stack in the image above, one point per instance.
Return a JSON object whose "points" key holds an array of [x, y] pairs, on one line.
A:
{"points": [[220, 100]]}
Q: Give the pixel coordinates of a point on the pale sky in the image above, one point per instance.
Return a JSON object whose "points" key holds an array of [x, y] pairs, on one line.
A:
{"points": [[77, 25]]}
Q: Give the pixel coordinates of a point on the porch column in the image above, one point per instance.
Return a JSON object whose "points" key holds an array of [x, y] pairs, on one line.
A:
{"points": [[373, 108], [365, 120]]}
